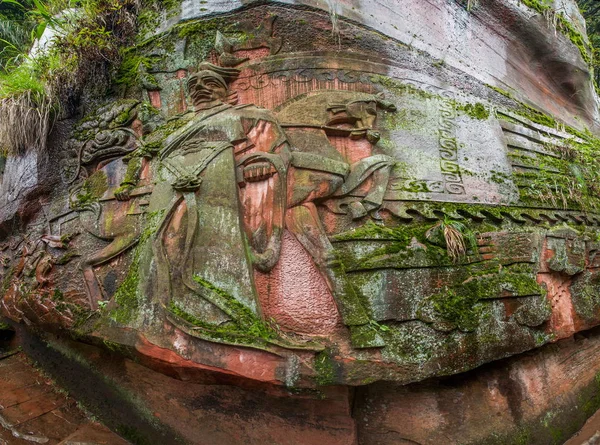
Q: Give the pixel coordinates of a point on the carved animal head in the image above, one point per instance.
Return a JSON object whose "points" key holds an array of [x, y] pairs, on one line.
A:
{"points": [[361, 113]]}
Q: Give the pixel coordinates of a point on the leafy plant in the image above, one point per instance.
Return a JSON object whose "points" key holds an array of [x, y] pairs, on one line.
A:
{"points": [[453, 235], [78, 62]]}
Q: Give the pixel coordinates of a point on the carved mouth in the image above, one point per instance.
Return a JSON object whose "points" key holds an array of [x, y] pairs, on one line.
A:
{"points": [[202, 96]]}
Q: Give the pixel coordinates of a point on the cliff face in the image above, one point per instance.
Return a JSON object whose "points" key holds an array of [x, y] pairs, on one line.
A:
{"points": [[309, 214]]}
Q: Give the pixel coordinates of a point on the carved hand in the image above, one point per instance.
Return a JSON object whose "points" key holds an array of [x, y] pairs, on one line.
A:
{"points": [[123, 193], [259, 171]]}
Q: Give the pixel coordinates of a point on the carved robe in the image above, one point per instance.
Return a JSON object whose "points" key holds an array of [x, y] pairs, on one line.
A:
{"points": [[203, 264]]}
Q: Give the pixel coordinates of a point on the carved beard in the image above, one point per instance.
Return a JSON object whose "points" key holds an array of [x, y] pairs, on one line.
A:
{"points": [[203, 100]]}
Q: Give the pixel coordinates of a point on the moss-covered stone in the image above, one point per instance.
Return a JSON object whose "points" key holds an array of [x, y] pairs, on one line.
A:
{"points": [[476, 111], [91, 190]]}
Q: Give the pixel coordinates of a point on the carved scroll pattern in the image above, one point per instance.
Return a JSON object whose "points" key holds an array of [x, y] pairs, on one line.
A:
{"points": [[449, 147]]}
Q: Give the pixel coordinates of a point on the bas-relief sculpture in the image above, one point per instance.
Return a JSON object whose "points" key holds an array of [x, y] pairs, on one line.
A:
{"points": [[296, 209], [325, 224]]}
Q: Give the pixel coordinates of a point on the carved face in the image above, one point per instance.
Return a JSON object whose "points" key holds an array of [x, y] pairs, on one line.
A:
{"points": [[207, 89]]}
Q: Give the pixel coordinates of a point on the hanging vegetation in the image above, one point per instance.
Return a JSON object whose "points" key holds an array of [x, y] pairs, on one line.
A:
{"points": [[76, 46], [591, 12]]}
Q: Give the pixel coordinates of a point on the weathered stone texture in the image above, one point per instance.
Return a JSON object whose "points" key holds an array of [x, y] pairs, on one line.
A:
{"points": [[324, 205]]}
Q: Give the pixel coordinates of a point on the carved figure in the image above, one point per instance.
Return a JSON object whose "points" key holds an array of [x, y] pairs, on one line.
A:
{"points": [[200, 248]]}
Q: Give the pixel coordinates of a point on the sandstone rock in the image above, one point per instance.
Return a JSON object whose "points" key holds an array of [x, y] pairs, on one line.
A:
{"points": [[409, 194]]}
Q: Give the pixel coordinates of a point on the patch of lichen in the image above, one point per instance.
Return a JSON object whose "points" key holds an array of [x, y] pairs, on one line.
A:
{"points": [[555, 424], [414, 342], [116, 114], [199, 37], [585, 291]]}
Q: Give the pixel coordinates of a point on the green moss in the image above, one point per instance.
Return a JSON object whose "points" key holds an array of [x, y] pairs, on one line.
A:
{"points": [[500, 177], [537, 5], [568, 182], [132, 173], [243, 316], [563, 25], [463, 310], [127, 295], [133, 435], [57, 295], [134, 70], [147, 112], [115, 347], [370, 231], [402, 88], [8, 276], [476, 111], [91, 190], [326, 368], [257, 334], [153, 142], [113, 115], [523, 437], [152, 11], [576, 37], [423, 243], [5, 327], [568, 177]]}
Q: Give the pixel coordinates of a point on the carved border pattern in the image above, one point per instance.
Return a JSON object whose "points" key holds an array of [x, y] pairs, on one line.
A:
{"points": [[432, 211], [449, 147], [305, 75], [418, 186]]}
